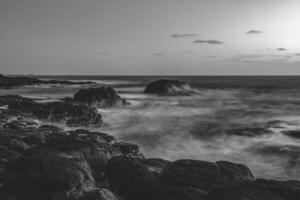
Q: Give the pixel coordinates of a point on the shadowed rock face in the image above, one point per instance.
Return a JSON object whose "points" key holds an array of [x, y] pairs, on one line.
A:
{"points": [[100, 97], [73, 115], [8, 82], [168, 87], [64, 165]]}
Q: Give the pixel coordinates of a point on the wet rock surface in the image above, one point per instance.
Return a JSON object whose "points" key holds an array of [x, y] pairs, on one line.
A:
{"points": [[168, 87]]}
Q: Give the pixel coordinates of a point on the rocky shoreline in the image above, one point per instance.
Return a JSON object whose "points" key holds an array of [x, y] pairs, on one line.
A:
{"points": [[7, 82], [41, 161]]}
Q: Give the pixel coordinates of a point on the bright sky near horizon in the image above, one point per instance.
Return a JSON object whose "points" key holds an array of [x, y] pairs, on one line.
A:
{"points": [[150, 37]]}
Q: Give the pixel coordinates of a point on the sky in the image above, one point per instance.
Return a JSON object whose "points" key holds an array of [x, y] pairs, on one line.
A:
{"points": [[143, 37]]}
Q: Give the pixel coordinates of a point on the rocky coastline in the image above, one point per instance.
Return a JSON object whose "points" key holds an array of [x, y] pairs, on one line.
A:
{"points": [[7, 82], [42, 161]]}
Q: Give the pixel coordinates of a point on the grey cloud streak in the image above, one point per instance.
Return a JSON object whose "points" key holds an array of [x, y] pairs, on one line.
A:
{"points": [[214, 42], [184, 35], [254, 32]]}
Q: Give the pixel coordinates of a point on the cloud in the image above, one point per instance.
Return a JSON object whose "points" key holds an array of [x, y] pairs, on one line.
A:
{"points": [[281, 49], [184, 35], [260, 58], [208, 42], [297, 54], [254, 32]]}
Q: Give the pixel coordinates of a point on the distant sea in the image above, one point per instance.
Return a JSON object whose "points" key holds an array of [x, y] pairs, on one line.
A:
{"points": [[254, 120]]}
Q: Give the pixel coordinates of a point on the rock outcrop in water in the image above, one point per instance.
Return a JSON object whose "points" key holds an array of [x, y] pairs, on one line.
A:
{"points": [[72, 115], [100, 97], [9, 82], [46, 162], [168, 87]]}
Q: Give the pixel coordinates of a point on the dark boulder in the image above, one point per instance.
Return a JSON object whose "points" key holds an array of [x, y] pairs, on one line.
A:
{"points": [[100, 97], [133, 180], [206, 176], [42, 174], [168, 87]]}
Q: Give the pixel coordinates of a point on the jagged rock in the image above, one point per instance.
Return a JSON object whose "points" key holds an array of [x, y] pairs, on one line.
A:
{"points": [[100, 97], [168, 87], [206, 176], [135, 181], [98, 136], [128, 149], [8, 82], [73, 115]]}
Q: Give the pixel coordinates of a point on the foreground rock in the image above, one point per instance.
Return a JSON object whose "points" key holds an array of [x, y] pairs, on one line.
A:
{"points": [[100, 97], [72, 115], [168, 87], [8, 82], [133, 180], [64, 165]]}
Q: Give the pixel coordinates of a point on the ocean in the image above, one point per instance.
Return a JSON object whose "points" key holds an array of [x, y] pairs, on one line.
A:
{"points": [[253, 120]]}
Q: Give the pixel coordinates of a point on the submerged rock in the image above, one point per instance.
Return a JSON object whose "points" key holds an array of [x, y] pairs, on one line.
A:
{"points": [[168, 87], [100, 97]]}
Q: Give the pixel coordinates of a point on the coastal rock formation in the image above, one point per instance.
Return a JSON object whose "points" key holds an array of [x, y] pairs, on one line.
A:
{"points": [[168, 87], [46, 162], [72, 115], [9, 82], [100, 97]]}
